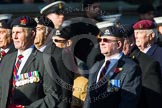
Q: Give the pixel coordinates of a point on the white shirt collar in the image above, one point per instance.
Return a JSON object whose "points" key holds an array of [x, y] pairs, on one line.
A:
{"points": [[116, 56], [42, 48], [6, 50], [26, 55], [146, 49]]}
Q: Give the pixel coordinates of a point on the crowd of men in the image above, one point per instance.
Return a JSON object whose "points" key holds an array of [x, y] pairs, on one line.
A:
{"points": [[47, 62]]}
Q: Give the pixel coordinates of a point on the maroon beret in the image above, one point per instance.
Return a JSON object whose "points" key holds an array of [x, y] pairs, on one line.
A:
{"points": [[144, 24]]}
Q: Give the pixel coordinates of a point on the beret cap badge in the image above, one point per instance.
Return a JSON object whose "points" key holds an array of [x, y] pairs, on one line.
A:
{"points": [[60, 5], [58, 32], [0, 24], [36, 19], [107, 32], [23, 21]]}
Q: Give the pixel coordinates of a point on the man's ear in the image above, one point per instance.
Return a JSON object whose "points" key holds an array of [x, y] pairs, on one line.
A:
{"points": [[152, 36], [68, 43], [33, 33]]}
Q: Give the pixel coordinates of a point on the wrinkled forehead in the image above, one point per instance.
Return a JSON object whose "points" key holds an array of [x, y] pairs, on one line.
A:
{"points": [[141, 31]]}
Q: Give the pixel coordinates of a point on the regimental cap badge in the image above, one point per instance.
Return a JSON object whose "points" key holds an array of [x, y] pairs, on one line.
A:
{"points": [[36, 19], [0, 24], [57, 33], [23, 21], [60, 5], [107, 32]]}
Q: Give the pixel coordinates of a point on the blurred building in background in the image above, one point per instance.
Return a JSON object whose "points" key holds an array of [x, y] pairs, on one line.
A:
{"points": [[126, 8]]}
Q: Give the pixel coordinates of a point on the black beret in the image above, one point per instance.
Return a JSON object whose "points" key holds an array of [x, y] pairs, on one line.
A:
{"points": [[44, 21], [64, 32], [24, 21], [127, 30], [111, 31], [55, 7], [145, 8], [5, 23], [86, 3]]}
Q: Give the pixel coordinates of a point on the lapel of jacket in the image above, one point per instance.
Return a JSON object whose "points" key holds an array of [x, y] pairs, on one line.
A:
{"points": [[8, 77], [94, 71], [12, 49], [29, 60]]}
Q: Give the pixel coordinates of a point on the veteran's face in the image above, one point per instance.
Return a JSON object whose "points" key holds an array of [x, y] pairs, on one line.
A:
{"points": [[59, 41], [148, 16], [108, 45], [94, 9], [142, 39], [160, 29], [129, 44], [57, 19], [41, 36], [22, 37], [5, 38]]}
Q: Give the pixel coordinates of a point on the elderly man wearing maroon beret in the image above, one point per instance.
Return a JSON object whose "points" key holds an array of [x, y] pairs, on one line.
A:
{"points": [[146, 36]]}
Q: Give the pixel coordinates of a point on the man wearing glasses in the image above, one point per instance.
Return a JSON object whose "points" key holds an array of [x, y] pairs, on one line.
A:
{"points": [[114, 82]]}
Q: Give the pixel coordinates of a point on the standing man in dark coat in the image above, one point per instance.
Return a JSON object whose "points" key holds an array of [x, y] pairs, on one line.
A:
{"points": [[151, 94], [146, 38], [6, 43], [60, 49], [115, 85], [24, 80]]}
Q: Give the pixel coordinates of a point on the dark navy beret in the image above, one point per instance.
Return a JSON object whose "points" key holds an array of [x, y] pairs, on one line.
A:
{"points": [[78, 28], [127, 30], [64, 32], [24, 21], [44, 21], [144, 24], [5, 23], [55, 7], [111, 31]]}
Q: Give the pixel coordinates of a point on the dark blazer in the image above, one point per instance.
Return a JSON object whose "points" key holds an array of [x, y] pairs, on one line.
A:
{"points": [[12, 49], [155, 51], [42, 94], [109, 94], [65, 74], [151, 94]]}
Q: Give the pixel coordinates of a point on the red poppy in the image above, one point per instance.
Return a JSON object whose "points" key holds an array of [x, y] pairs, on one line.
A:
{"points": [[117, 70]]}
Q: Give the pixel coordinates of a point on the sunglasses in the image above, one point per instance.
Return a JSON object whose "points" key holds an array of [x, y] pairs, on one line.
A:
{"points": [[106, 40], [59, 41]]}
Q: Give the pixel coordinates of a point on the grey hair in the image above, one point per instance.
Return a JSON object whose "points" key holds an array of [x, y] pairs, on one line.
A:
{"points": [[9, 31], [154, 31], [49, 32]]}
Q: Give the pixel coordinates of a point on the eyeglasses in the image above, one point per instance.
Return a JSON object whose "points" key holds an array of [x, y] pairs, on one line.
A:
{"points": [[59, 41], [106, 40]]}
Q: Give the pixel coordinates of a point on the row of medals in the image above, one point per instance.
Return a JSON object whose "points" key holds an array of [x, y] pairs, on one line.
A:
{"points": [[26, 78]]}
